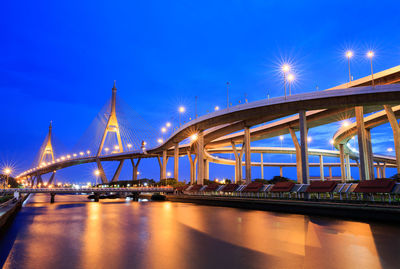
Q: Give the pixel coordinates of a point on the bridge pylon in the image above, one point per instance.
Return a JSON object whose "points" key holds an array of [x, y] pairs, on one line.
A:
{"points": [[112, 125], [48, 150]]}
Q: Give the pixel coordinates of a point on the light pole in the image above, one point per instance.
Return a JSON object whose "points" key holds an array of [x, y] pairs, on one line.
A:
{"points": [[285, 69], [370, 55], [290, 79], [227, 94], [181, 110], [349, 54]]}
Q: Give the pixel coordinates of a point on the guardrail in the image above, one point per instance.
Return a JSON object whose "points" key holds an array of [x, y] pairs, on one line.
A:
{"points": [[87, 190]]}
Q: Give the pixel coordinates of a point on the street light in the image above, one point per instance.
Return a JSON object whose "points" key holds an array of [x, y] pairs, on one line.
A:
{"points": [[281, 139], [168, 124], [389, 149], [290, 79], [160, 140], [370, 55], [97, 174], [285, 69], [193, 137], [163, 129], [181, 110], [216, 108], [7, 172], [349, 54]]}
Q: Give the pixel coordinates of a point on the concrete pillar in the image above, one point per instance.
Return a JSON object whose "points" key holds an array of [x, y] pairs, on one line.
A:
{"points": [[164, 164], [378, 172], [118, 171], [161, 167], [396, 133], [101, 170], [281, 171], [342, 163], [262, 166], [51, 179], [330, 172], [176, 161], [304, 147], [321, 167], [238, 163], [135, 168], [247, 154], [384, 170], [348, 170], [191, 161], [96, 197], [200, 156], [362, 144], [298, 155], [370, 154], [206, 169]]}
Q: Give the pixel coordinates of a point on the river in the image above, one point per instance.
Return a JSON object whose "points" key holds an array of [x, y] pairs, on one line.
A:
{"points": [[76, 233]]}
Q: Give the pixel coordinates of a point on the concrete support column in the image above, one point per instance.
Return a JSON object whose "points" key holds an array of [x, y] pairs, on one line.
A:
{"points": [[164, 164], [200, 156], [135, 168], [176, 161], [342, 163], [396, 133], [101, 170], [298, 155], [206, 169], [192, 168], [348, 170], [238, 163], [362, 144], [321, 167], [330, 172], [52, 179], [52, 197], [247, 154], [161, 166], [378, 170], [304, 147], [118, 171], [262, 165], [370, 154], [281, 171], [384, 170]]}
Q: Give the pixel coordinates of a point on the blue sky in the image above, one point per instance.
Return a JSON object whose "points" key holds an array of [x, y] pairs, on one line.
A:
{"points": [[59, 59]]}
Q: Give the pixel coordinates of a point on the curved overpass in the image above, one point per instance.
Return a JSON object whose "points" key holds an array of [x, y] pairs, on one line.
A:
{"points": [[327, 106]]}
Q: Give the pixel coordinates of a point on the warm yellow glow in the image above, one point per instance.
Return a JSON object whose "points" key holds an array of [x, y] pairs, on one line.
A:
{"points": [[389, 149], [309, 139], [88, 151], [97, 172], [68, 156], [74, 154], [116, 147], [281, 137], [106, 149], [181, 109], [370, 54], [349, 54], [194, 137], [290, 77], [129, 145], [62, 158], [168, 124], [168, 174], [160, 140], [285, 68], [345, 123], [331, 141], [163, 129], [216, 108], [7, 171], [81, 153]]}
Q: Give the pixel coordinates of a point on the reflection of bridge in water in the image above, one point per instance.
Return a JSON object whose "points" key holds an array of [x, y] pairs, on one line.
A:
{"points": [[223, 130]]}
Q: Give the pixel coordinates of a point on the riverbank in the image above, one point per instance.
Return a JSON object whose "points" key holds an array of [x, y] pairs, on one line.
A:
{"points": [[9, 209], [383, 213]]}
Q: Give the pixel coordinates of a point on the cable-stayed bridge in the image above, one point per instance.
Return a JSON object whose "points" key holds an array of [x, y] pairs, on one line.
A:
{"points": [[223, 130]]}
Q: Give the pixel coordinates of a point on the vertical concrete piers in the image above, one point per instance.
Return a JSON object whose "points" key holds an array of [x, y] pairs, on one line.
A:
{"points": [[238, 163], [176, 161], [135, 168], [200, 156], [321, 167], [362, 145], [304, 147], [52, 197], [298, 154], [396, 134], [342, 163], [247, 154]]}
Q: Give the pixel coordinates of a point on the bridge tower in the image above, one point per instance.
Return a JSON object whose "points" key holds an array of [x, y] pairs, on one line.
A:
{"points": [[48, 150], [112, 125]]}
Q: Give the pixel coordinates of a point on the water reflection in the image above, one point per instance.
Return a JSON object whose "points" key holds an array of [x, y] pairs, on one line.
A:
{"points": [[75, 233]]}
